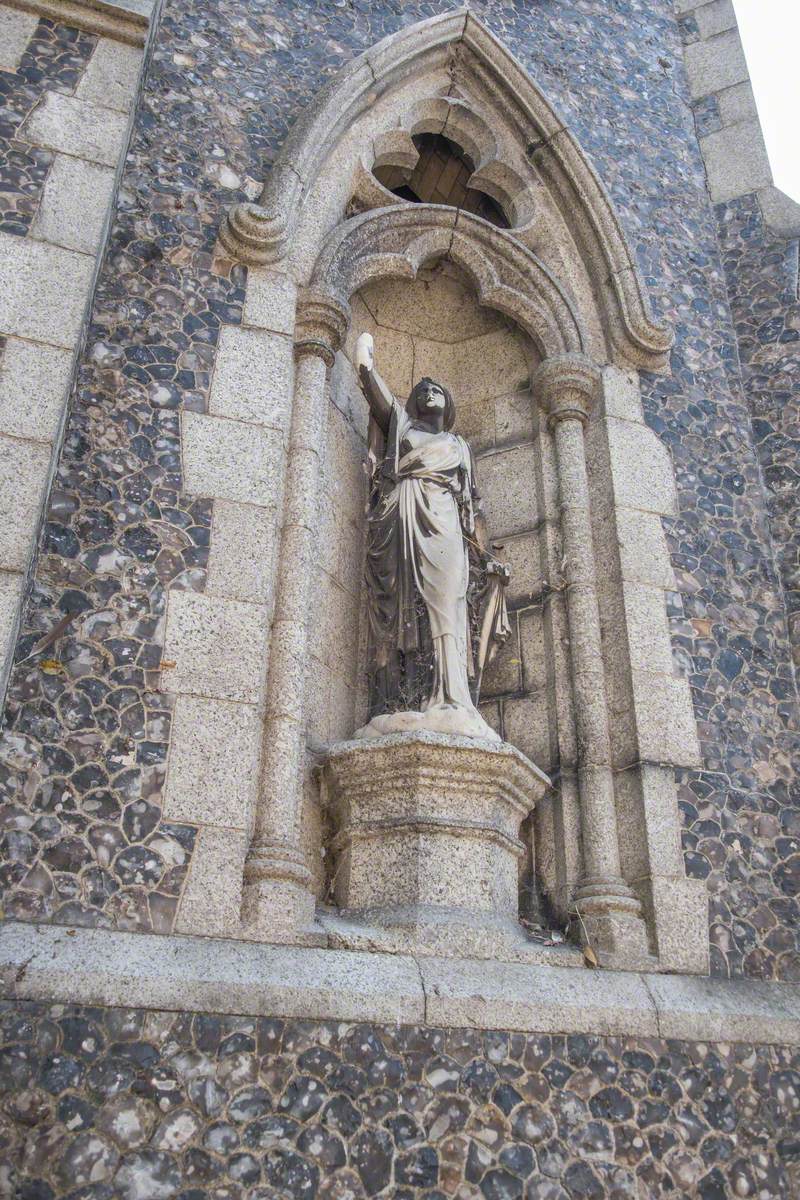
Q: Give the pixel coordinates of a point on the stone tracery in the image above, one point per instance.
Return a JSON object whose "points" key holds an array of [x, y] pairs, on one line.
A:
{"points": [[468, 56]]}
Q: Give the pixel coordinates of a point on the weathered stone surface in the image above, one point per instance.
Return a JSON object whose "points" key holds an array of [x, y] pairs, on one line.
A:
{"points": [[736, 161], [111, 75], [16, 30], [216, 741], [217, 646], [231, 460], [23, 475], [43, 290], [11, 585], [271, 301], [242, 555], [642, 472], [225, 975], [211, 899], [253, 378], [77, 128], [74, 204], [720, 64], [33, 386]]}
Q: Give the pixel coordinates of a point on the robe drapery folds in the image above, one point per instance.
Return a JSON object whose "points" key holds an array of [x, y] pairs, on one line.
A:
{"points": [[420, 508]]}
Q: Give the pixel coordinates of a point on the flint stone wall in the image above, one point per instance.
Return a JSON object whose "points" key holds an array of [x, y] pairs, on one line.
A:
{"points": [[130, 1104], [84, 748]]}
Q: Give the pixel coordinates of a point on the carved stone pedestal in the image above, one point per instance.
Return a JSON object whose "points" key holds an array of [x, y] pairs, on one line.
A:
{"points": [[428, 844]]}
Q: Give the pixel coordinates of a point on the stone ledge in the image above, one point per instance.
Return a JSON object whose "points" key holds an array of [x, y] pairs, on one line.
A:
{"points": [[96, 966], [92, 966], [125, 20]]}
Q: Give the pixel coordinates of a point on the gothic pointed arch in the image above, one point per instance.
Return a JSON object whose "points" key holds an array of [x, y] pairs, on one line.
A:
{"points": [[546, 157]]}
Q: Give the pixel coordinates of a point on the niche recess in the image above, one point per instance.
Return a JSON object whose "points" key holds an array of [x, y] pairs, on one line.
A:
{"points": [[336, 220], [433, 325], [441, 176]]}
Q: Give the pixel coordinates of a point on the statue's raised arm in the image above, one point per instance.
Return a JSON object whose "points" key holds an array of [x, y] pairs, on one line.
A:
{"points": [[377, 394]]}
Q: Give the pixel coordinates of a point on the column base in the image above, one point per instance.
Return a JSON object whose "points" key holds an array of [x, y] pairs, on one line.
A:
{"points": [[609, 919], [277, 903]]}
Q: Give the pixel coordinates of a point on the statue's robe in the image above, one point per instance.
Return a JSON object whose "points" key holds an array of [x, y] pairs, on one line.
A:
{"points": [[420, 509]]}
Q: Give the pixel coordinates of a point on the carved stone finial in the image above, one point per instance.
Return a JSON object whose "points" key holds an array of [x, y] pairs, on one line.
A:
{"points": [[321, 325], [566, 387]]}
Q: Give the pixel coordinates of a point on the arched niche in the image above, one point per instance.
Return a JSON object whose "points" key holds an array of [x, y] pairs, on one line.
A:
{"points": [[562, 279], [434, 324]]}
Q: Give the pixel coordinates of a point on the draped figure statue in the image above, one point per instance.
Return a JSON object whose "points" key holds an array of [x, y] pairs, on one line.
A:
{"points": [[436, 597]]}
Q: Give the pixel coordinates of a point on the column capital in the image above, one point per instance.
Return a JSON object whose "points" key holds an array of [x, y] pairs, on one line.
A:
{"points": [[321, 325], [566, 387]]}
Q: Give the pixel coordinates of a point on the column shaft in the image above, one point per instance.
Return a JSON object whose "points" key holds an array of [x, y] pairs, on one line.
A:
{"points": [[601, 848], [277, 903], [609, 913]]}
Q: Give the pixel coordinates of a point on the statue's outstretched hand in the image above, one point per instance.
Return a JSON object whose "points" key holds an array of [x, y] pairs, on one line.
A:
{"points": [[376, 393], [365, 353]]}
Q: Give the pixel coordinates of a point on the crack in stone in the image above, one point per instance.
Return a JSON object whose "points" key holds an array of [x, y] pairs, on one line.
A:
{"points": [[647, 988], [416, 963]]}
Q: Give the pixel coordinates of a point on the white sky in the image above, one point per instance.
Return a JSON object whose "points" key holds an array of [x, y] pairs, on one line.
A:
{"points": [[770, 32]]}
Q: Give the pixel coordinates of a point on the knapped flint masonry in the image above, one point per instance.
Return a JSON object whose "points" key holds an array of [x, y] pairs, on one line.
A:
{"points": [[398, 767]]}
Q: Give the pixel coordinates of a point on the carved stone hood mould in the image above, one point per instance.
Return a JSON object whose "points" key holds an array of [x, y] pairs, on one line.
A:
{"points": [[261, 233]]}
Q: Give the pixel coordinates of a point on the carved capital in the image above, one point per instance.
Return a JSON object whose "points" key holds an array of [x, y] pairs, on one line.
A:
{"points": [[321, 325], [566, 387]]}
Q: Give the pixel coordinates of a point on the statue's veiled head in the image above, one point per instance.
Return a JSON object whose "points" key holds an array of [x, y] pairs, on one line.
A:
{"points": [[429, 398]]}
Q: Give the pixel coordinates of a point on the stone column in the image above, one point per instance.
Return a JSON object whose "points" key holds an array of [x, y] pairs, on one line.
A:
{"points": [[610, 915], [277, 903]]}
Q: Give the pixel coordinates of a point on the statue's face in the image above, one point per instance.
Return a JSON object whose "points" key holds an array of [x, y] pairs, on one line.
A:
{"points": [[430, 397]]}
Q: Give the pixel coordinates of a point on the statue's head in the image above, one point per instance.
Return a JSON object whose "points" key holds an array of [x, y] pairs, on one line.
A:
{"points": [[429, 397]]}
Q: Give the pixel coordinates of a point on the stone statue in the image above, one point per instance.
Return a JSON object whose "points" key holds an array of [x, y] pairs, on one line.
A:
{"points": [[436, 597]]}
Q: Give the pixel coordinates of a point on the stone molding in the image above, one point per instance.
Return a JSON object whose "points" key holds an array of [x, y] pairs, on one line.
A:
{"points": [[97, 966], [321, 326], [468, 129], [396, 241], [124, 20], [567, 387], [261, 233]]}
